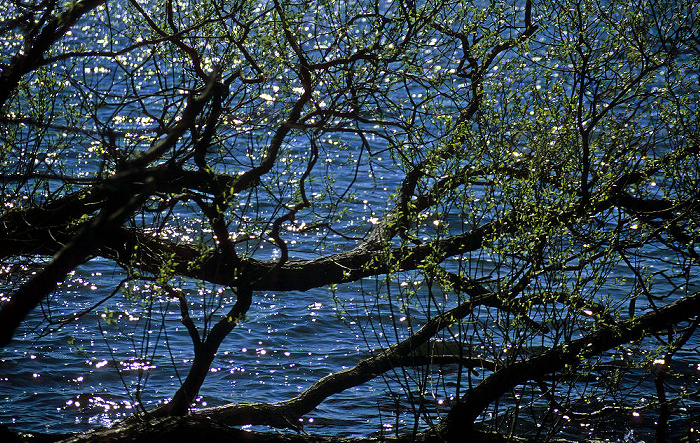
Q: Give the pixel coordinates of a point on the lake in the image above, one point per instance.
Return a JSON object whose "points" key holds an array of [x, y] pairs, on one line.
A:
{"points": [[100, 349]]}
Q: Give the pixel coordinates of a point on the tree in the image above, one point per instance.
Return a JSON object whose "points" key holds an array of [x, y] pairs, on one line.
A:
{"points": [[538, 227]]}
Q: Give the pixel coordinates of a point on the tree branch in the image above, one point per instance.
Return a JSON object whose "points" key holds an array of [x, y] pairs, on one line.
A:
{"points": [[462, 416]]}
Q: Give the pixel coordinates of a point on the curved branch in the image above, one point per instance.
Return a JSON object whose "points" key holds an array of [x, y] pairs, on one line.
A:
{"points": [[115, 211], [33, 56], [413, 351], [204, 353], [298, 274], [462, 416]]}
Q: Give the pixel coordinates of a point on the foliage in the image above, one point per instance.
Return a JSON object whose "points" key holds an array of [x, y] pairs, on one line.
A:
{"points": [[512, 186]]}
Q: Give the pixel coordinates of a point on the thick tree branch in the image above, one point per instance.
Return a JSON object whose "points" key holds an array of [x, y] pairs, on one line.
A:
{"points": [[115, 211], [204, 353], [32, 57], [414, 350], [463, 415]]}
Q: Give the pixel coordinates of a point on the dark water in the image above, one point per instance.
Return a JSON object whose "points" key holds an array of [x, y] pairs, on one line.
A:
{"points": [[131, 351], [103, 366], [70, 380]]}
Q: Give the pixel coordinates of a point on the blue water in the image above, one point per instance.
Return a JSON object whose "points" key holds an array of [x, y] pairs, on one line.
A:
{"points": [[89, 373], [131, 351], [287, 342]]}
